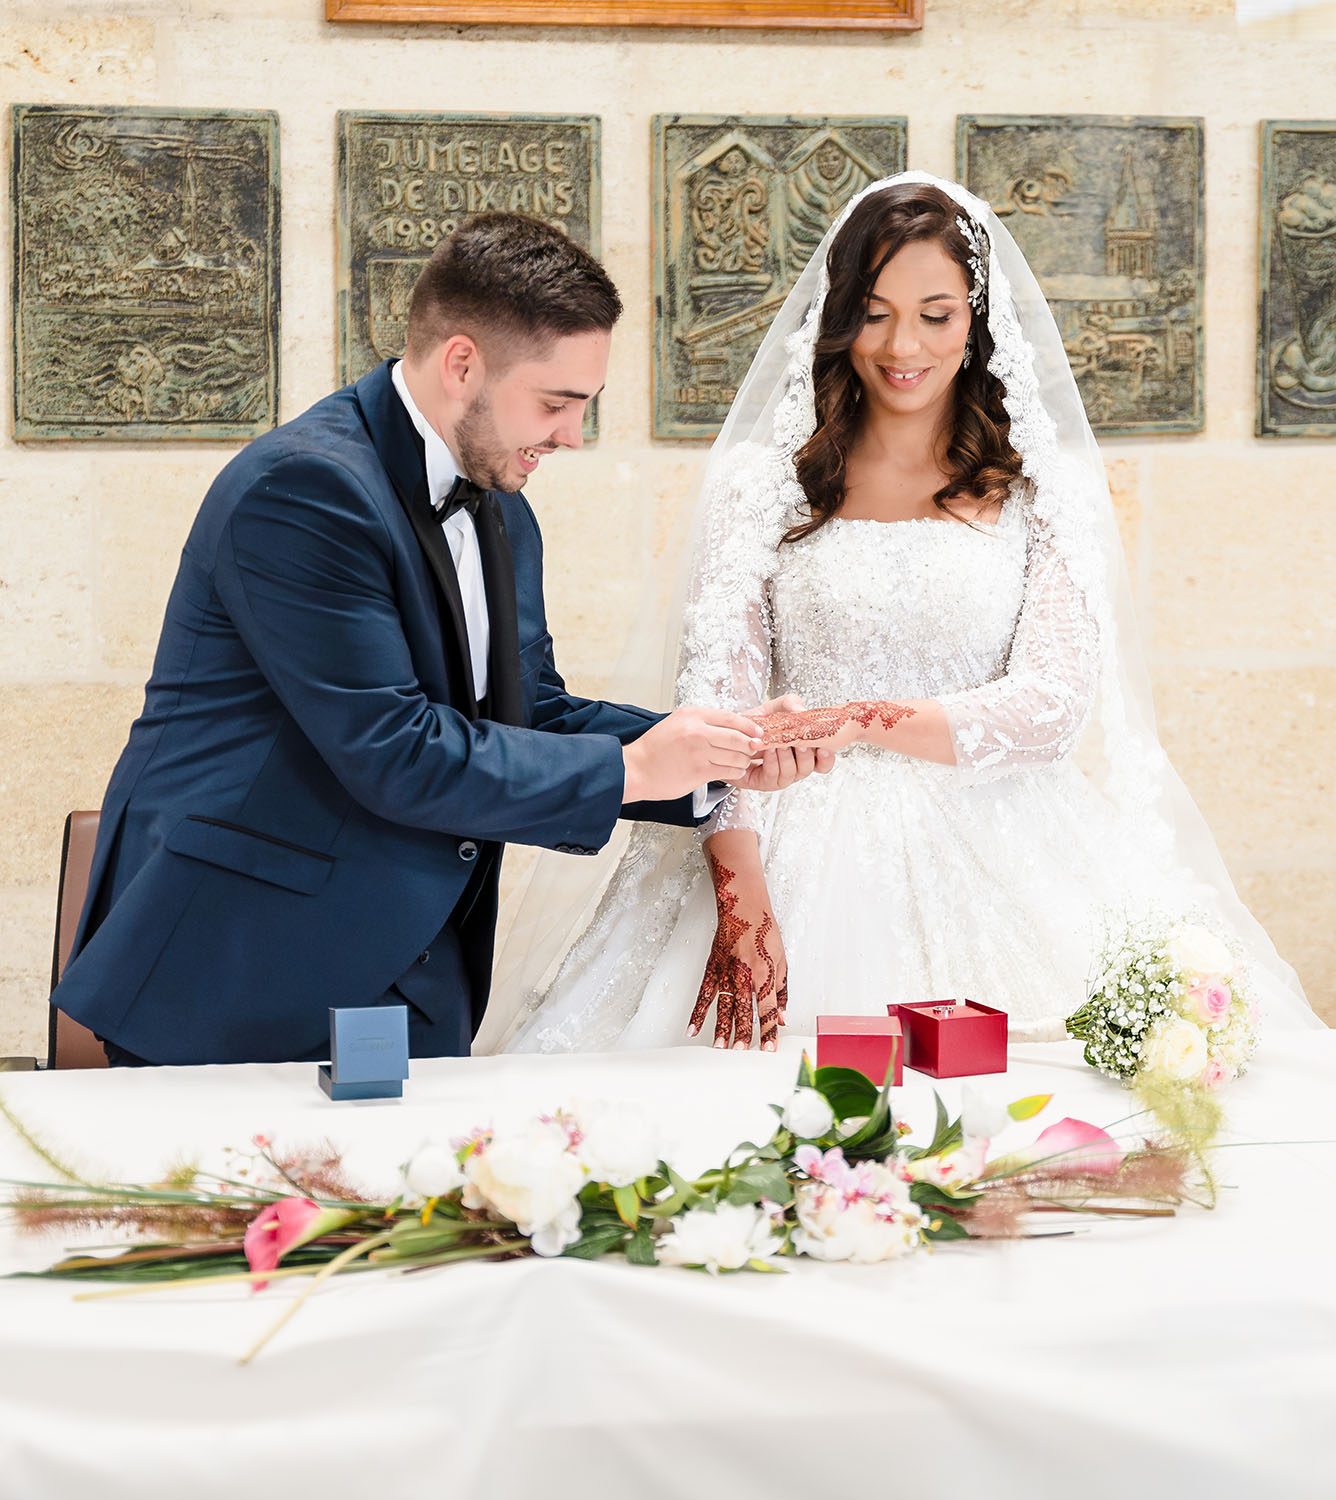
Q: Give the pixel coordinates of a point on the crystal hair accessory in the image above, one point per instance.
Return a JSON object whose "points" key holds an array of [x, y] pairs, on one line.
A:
{"points": [[978, 243]]}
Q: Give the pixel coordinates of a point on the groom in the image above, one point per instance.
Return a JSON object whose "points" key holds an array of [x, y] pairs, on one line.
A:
{"points": [[354, 704]]}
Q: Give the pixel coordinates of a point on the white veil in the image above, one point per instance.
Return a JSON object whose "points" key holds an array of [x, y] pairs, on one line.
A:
{"points": [[772, 415]]}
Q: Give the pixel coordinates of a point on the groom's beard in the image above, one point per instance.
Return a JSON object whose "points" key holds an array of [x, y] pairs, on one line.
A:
{"points": [[481, 454]]}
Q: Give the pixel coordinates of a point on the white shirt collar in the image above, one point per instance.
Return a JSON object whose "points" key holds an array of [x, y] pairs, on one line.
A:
{"points": [[442, 470]]}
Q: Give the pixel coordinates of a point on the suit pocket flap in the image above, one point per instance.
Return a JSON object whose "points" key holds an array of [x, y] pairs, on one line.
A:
{"points": [[249, 852]]}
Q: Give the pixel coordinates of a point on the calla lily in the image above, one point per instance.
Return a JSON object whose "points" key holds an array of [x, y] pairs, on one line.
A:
{"points": [[1081, 1148], [284, 1225]]}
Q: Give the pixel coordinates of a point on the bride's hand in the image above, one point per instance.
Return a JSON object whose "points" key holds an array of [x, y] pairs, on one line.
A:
{"points": [[746, 971], [780, 766], [833, 728]]}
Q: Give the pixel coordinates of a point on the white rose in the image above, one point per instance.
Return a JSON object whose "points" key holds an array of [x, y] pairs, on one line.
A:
{"points": [[724, 1238], [433, 1172], [618, 1143], [1177, 1049], [1197, 952], [808, 1115], [529, 1176]]}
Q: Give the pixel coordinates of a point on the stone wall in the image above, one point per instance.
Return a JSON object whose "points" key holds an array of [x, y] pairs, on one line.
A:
{"points": [[1232, 541]]}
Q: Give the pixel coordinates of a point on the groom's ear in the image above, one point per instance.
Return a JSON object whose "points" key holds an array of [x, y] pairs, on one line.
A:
{"points": [[460, 366]]}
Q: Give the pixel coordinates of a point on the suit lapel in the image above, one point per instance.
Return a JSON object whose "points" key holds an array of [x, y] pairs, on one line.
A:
{"points": [[403, 456], [504, 700]]}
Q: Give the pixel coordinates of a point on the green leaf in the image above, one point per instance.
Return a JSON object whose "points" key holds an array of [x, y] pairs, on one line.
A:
{"points": [[760, 1179], [627, 1203], [947, 1133], [929, 1195], [640, 1248], [595, 1242], [1029, 1107], [806, 1075], [847, 1091], [946, 1228], [765, 1265]]}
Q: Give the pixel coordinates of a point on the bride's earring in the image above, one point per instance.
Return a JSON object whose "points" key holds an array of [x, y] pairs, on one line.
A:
{"points": [[968, 354]]}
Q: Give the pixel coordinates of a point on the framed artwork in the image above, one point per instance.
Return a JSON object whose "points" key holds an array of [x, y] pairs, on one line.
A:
{"points": [[740, 203], [1109, 212], [145, 273], [1296, 308], [807, 15]]}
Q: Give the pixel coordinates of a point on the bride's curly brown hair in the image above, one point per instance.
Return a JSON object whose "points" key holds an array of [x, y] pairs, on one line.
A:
{"points": [[982, 463]]}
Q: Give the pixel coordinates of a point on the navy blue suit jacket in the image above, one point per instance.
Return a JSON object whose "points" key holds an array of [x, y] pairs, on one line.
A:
{"points": [[309, 789]]}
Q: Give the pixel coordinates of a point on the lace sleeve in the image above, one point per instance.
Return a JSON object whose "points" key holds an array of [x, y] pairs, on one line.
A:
{"points": [[726, 626], [1033, 714]]}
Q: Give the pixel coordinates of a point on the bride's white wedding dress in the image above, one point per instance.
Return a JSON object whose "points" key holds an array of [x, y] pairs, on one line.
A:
{"points": [[892, 879], [895, 879]]}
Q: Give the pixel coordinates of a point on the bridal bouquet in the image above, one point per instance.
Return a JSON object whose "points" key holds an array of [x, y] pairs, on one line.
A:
{"points": [[1169, 1006], [839, 1179]]}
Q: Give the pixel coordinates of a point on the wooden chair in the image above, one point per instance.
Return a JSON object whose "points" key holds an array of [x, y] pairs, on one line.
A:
{"points": [[70, 1044]]}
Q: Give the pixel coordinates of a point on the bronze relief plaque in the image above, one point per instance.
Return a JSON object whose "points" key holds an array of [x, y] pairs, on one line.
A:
{"points": [[406, 181], [740, 203], [1296, 346], [145, 290], [1109, 212]]}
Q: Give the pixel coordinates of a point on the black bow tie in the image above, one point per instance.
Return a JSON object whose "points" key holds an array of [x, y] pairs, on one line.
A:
{"points": [[462, 495]]}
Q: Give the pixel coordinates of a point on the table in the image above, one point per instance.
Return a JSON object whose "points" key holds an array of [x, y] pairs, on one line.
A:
{"points": [[1158, 1358]]}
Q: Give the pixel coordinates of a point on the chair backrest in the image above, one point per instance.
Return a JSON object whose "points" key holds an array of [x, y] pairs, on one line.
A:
{"points": [[70, 1044]]}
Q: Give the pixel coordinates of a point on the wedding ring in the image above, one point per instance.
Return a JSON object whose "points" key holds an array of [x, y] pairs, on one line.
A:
{"points": [[947, 1008]]}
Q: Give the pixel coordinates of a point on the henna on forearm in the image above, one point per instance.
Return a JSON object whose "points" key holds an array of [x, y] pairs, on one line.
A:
{"points": [[823, 723]]}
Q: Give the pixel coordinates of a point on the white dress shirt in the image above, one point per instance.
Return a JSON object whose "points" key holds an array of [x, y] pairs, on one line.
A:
{"points": [[462, 538]]}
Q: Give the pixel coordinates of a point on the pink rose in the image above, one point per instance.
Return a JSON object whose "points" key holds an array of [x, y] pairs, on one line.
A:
{"points": [[1213, 1074], [1080, 1148], [1209, 1001], [275, 1230]]}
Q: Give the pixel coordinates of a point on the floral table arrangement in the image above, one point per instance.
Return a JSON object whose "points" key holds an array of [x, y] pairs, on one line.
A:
{"points": [[839, 1179]]}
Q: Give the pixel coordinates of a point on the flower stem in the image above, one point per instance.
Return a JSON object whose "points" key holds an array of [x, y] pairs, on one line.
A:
{"points": [[330, 1268]]}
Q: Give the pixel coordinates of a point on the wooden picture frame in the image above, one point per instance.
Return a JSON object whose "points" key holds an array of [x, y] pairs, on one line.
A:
{"points": [[801, 15]]}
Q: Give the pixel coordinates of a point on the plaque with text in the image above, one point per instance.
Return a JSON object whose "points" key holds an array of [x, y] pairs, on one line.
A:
{"points": [[740, 204], [408, 180], [1296, 342], [146, 245], [1108, 210]]}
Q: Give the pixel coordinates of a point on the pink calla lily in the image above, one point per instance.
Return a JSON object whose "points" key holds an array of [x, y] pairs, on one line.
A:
{"points": [[1078, 1147], [282, 1226]]}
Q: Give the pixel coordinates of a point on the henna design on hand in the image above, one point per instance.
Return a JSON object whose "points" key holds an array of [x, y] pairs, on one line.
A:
{"points": [[823, 723], [727, 977]]}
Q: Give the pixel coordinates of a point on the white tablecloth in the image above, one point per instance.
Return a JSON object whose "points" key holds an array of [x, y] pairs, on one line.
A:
{"points": [[1192, 1356]]}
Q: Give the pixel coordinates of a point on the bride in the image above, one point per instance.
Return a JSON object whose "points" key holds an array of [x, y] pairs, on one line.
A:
{"points": [[906, 521]]}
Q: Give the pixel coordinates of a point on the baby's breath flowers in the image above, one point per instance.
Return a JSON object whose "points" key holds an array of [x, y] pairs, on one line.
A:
{"points": [[1169, 1001]]}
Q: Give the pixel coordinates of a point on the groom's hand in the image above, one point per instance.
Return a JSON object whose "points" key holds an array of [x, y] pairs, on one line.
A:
{"points": [[690, 747], [781, 767]]}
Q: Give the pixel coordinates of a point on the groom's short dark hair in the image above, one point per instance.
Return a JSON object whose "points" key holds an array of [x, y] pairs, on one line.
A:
{"points": [[511, 283]]}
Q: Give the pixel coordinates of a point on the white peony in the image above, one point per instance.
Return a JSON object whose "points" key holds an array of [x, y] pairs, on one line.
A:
{"points": [[1176, 1049], [808, 1115], [724, 1238], [531, 1177], [433, 1172], [1196, 952], [618, 1143]]}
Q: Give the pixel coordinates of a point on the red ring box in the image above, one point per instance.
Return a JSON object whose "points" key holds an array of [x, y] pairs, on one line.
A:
{"points": [[864, 1043], [972, 1039]]}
